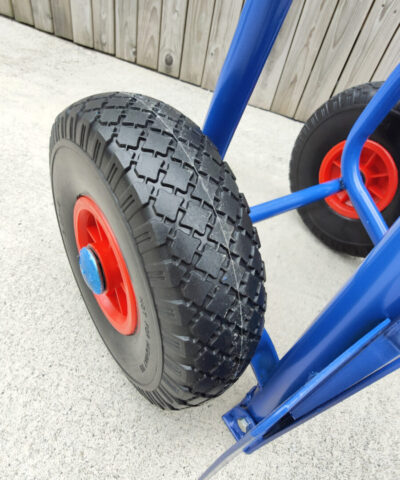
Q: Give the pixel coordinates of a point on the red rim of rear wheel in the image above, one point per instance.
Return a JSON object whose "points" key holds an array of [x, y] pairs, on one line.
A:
{"points": [[92, 230], [378, 169]]}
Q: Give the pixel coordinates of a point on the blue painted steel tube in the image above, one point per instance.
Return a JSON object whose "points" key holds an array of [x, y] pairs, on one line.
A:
{"points": [[376, 110], [254, 37], [294, 200], [264, 359], [372, 295]]}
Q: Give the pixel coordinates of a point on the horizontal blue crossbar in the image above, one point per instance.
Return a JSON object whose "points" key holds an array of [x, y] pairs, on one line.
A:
{"points": [[294, 200]]}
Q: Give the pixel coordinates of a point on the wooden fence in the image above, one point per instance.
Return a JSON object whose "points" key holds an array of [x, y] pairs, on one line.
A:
{"points": [[324, 46]]}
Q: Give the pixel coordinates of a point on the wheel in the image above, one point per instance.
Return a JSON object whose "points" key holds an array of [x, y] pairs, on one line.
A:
{"points": [[316, 158], [160, 243]]}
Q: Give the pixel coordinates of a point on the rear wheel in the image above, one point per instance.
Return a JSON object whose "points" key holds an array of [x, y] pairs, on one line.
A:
{"points": [[316, 158], [161, 245]]}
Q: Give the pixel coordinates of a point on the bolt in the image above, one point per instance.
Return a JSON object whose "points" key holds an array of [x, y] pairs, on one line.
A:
{"points": [[243, 424]]}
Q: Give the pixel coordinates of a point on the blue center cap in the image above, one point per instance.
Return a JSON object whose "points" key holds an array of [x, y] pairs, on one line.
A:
{"points": [[91, 270]]}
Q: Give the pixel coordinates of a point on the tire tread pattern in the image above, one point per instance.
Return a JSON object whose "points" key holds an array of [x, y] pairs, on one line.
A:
{"points": [[192, 228]]}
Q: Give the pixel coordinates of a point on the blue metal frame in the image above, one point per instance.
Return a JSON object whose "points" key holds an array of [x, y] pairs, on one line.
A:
{"points": [[295, 200], [255, 35], [380, 105], [356, 339]]}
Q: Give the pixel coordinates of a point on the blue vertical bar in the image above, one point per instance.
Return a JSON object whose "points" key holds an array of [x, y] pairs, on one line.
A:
{"points": [[264, 359], [373, 114], [255, 34]]}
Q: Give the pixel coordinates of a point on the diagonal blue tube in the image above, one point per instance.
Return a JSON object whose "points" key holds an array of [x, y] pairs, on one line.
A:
{"points": [[373, 114], [259, 24]]}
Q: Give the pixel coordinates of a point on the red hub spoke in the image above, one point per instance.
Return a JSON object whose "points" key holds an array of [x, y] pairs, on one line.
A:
{"points": [[337, 163], [120, 298], [379, 172], [378, 175], [375, 192], [343, 196], [93, 233], [371, 157], [118, 301], [98, 228]]}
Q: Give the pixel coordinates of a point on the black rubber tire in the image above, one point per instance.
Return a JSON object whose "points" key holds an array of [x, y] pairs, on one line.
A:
{"points": [[329, 125], [183, 229]]}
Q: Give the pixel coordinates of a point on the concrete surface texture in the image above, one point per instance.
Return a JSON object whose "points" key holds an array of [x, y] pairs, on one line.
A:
{"points": [[66, 410]]}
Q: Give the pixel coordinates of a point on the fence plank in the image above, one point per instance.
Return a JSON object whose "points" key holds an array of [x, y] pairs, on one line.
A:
{"points": [[6, 8], [82, 22], [171, 36], [310, 32], [267, 84], [389, 60], [148, 36], [198, 23], [323, 47], [62, 18], [23, 11], [42, 16], [125, 29], [103, 26], [225, 18], [335, 49], [382, 22]]}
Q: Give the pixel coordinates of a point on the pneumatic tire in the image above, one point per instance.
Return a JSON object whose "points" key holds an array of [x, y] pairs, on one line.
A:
{"points": [[184, 233], [326, 128]]}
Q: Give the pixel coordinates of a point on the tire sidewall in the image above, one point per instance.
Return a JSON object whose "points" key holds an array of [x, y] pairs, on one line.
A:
{"points": [[73, 174]]}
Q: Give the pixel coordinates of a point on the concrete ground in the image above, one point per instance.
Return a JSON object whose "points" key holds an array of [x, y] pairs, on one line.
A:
{"points": [[66, 410]]}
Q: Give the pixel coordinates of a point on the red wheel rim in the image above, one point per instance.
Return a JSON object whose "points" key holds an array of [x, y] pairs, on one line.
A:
{"points": [[118, 301], [377, 168]]}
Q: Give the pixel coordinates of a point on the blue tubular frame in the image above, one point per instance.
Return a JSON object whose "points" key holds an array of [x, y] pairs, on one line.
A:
{"points": [[356, 339], [294, 200], [377, 109], [259, 24], [380, 105]]}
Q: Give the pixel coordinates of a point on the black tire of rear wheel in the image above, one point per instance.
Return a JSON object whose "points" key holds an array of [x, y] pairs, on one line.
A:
{"points": [[182, 226], [329, 125]]}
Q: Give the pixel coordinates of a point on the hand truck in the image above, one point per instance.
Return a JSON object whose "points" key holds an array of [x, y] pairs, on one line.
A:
{"points": [[163, 248]]}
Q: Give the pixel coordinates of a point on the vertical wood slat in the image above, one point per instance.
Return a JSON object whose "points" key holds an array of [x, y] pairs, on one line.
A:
{"points": [[307, 40], [224, 21], [148, 35], [6, 8], [324, 46], [171, 36], [336, 47], [125, 29], [42, 16], [390, 59], [103, 25], [198, 23], [267, 84], [23, 11], [382, 21], [82, 22], [62, 18]]}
